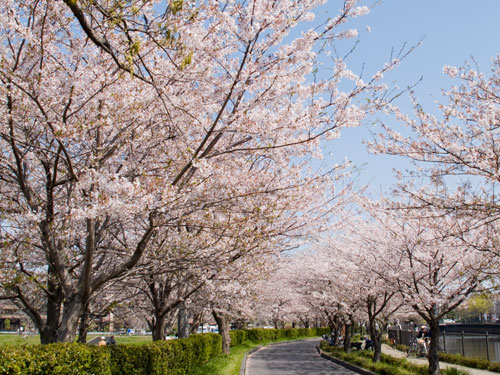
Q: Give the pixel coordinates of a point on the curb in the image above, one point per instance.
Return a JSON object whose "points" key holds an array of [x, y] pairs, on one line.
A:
{"points": [[243, 368], [348, 366]]}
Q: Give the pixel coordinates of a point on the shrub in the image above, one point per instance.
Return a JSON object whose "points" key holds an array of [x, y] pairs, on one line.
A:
{"points": [[453, 371], [307, 332], [173, 357], [238, 337], [290, 333], [270, 334], [57, 359], [458, 359], [262, 334], [16, 359], [128, 358], [494, 366]]}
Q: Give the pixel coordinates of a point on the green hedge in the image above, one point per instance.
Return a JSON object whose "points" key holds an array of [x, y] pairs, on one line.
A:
{"points": [[238, 337], [479, 363], [54, 359], [174, 357]]}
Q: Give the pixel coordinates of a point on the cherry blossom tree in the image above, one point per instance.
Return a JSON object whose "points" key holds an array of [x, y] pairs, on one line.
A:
{"points": [[455, 152], [278, 301], [387, 258], [316, 281], [121, 120], [455, 180], [432, 271], [231, 294], [198, 263], [354, 261]]}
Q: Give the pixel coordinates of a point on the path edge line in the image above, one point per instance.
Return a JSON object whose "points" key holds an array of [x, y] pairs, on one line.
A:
{"points": [[243, 367], [348, 366]]}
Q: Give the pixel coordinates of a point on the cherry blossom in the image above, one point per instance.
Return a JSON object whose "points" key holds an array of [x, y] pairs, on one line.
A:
{"points": [[123, 123]]}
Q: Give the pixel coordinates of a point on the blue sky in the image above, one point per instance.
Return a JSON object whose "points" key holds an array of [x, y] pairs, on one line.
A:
{"points": [[453, 31]]}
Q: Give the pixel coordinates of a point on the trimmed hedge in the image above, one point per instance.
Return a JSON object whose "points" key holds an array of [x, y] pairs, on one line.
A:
{"points": [[238, 337], [57, 359], [173, 357], [473, 362]]}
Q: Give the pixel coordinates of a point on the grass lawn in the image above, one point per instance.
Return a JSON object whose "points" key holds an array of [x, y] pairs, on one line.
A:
{"points": [[16, 339], [226, 364], [387, 364], [133, 339]]}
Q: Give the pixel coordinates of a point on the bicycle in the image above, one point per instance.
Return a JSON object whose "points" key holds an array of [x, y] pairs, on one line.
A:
{"points": [[415, 349]]}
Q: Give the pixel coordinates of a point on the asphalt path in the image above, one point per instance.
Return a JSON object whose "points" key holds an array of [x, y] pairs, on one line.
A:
{"points": [[293, 358]]}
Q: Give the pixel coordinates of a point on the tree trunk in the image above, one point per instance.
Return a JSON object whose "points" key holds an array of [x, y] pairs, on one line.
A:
{"points": [[183, 322], [48, 329], [336, 331], [72, 310], [377, 344], [48, 334], [223, 325], [375, 335], [158, 327], [84, 325], [197, 321], [331, 327], [434, 348], [347, 338], [193, 329]]}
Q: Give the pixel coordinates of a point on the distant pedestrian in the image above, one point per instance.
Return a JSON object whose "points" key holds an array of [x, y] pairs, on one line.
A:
{"points": [[111, 341]]}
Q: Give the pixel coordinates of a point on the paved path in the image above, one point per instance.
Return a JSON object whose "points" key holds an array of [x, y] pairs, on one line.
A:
{"points": [[294, 358], [386, 349]]}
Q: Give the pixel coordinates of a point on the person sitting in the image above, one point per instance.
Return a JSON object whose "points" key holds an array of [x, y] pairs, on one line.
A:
{"points": [[368, 344], [111, 341], [332, 340], [357, 345], [102, 342]]}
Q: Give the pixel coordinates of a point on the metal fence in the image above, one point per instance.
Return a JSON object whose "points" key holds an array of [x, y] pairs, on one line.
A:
{"points": [[484, 345], [404, 336]]}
